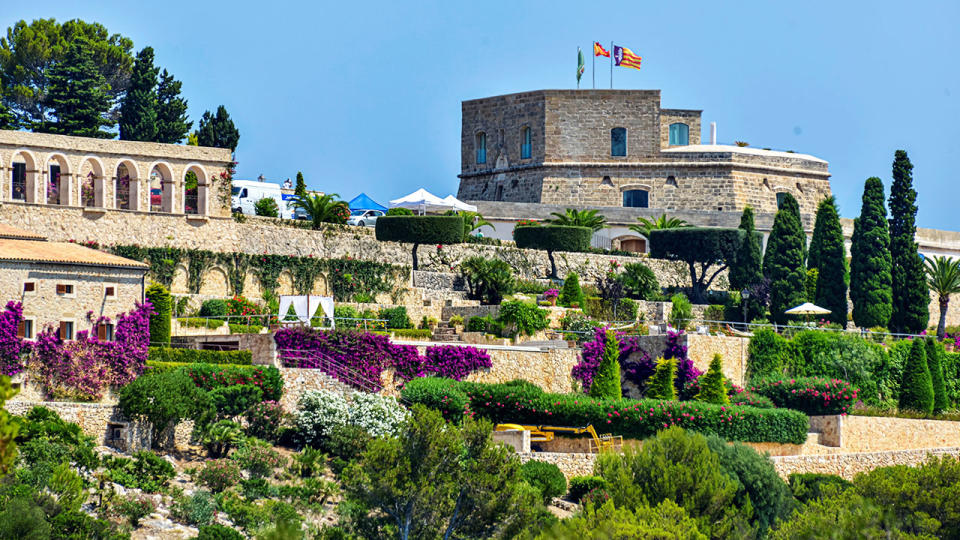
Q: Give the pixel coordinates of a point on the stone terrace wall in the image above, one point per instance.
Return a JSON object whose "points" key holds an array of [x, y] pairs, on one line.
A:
{"points": [[93, 419], [297, 382], [875, 434], [849, 465], [702, 347], [570, 464]]}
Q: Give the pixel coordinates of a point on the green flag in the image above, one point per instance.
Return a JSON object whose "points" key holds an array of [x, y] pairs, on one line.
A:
{"points": [[579, 66]]}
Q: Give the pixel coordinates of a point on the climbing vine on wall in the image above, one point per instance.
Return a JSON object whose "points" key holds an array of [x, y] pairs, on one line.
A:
{"points": [[199, 261], [237, 265], [163, 261]]}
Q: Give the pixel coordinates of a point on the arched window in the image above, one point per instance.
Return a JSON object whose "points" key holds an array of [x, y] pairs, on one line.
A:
{"points": [[18, 182], [525, 146], [122, 190], [679, 134], [481, 145], [618, 141], [54, 187], [780, 197], [636, 198], [156, 190]]}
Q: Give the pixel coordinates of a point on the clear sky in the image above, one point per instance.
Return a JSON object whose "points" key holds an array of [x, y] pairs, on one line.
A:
{"points": [[365, 96]]}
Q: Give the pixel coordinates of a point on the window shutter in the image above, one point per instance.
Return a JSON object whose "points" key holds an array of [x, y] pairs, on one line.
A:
{"points": [[61, 289], [102, 332], [21, 329], [62, 334], [29, 286], [110, 291]]}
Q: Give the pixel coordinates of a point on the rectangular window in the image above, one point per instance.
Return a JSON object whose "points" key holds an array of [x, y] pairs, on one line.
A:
{"points": [[481, 147], [29, 286], [53, 188], [679, 134], [110, 291], [66, 330], [525, 146], [618, 142], [636, 198], [64, 288], [19, 182], [25, 329], [105, 332]]}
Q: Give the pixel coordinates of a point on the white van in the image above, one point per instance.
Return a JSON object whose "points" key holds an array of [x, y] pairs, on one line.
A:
{"points": [[246, 193]]}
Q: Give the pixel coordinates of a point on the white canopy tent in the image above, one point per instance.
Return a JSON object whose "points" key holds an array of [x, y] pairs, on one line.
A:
{"points": [[457, 204], [421, 200]]}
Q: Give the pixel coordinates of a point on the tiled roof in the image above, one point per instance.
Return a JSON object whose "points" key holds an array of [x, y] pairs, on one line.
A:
{"points": [[14, 249], [9, 231]]}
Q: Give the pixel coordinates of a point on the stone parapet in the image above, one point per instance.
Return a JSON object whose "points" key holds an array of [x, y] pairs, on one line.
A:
{"points": [[854, 433], [849, 465]]}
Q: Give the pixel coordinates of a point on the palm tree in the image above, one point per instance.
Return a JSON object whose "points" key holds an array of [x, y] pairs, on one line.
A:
{"points": [[943, 277], [663, 222], [579, 218], [322, 208], [473, 221]]}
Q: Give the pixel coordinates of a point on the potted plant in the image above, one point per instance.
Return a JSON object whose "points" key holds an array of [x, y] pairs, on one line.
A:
{"points": [[456, 322], [551, 295]]}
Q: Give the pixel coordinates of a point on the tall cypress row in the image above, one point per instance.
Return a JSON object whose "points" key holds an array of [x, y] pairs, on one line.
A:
{"points": [[911, 298], [138, 113], [870, 263], [829, 256], [783, 261], [746, 270]]}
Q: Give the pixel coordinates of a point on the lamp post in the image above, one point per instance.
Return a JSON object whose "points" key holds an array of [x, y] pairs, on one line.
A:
{"points": [[744, 296]]}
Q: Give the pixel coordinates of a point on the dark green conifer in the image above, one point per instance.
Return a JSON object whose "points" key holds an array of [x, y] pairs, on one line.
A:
{"points": [[783, 261], [911, 297], [571, 293], [662, 382], [172, 120], [916, 387], [78, 95], [746, 270], [301, 188], [935, 355], [606, 382], [712, 387], [218, 130], [138, 113], [870, 263], [828, 255]]}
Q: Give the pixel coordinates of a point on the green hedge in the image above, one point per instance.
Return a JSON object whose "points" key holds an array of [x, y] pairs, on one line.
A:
{"points": [[553, 237], [245, 328], [634, 419], [192, 356], [412, 332], [212, 376], [199, 322], [811, 395], [420, 229]]}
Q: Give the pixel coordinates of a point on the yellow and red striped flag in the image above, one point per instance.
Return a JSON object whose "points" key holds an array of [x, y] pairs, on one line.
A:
{"points": [[624, 57], [598, 50]]}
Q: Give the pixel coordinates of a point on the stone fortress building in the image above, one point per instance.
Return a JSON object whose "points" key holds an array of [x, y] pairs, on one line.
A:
{"points": [[619, 148]]}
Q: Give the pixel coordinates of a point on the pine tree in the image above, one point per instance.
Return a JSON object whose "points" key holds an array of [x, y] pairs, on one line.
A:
{"points": [[746, 270], [218, 130], [301, 188], [916, 387], [138, 113], [828, 256], [172, 121], [783, 261], [78, 95], [571, 293], [911, 298], [870, 263], [7, 120], [606, 382], [712, 384], [935, 355], [662, 382]]}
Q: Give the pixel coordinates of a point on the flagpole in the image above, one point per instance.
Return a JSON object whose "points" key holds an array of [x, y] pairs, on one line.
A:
{"points": [[578, 68], [611, 65], [593, 70]]}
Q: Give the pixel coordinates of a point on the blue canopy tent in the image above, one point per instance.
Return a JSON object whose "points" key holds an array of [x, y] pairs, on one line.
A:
{"points": [[362, 202]]}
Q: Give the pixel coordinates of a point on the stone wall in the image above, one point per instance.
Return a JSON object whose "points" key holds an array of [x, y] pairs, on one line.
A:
{"points": [[850, 465], [702, 347], [97, 420], [570, 464], [853, 433], [297, 382], [263, 347]]}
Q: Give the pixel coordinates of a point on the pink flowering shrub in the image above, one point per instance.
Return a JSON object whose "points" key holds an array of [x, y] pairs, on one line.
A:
{"points": [[812, 395], [453, 362], [13, 349], [81, 369]]}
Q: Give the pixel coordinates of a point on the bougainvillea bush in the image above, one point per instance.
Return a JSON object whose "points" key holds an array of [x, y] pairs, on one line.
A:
{"points": [[453, 362], [212, 376], [635, 419], [83, 368], [13, 349], [812, 395]]}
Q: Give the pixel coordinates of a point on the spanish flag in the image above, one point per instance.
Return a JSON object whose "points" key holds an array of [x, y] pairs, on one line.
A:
{"points": [[624, 57], [598, 50]]}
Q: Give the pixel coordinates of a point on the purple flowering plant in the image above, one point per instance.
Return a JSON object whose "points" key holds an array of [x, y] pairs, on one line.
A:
{"points": [[13, 349]]}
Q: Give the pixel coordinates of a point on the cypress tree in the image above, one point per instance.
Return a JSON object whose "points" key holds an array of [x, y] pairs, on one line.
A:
{"points": [[78, 95], [138, 113], [828, 256], [712, 387], [870, 262], [571, 293], [172, 121], [911, 298], [935, 355], [301, 189], [783, 261], [916, 387], [218, 130], [746, 270], [159, 296], [606, 383], [663, 380]]}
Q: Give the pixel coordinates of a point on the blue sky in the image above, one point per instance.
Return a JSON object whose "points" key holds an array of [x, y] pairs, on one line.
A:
{"points": [[365, 96]]}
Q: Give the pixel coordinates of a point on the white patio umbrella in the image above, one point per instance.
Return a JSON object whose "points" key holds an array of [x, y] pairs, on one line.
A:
{"points": [[421, 200], [806, 309], [457, 204]]}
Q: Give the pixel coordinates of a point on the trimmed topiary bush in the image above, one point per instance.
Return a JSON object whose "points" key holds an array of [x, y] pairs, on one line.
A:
{"points": [[571, 293], [546, 477], [195, 356], [553, 238], [160, 323], [418, 230], [606, 383], [213, 308], [916, 388], [662, 382], [712, 384]]}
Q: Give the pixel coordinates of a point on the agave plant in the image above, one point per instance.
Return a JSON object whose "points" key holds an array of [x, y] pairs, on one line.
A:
{"points": [[579, 218], [322, 208], [943, 277], [663, 222]]}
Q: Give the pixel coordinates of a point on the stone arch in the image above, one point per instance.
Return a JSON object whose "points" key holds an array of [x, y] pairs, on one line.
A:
{"points": [[320, 286], [251, 285], [126, 181], [92, 185], [285, 283], [160, 186], [632, 242], [195, 197], [58, 179], [179, 283], [215, 282], [23, 176]]}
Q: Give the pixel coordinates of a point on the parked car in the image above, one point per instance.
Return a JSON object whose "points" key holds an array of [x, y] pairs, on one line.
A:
{"points": [[364, 218]]}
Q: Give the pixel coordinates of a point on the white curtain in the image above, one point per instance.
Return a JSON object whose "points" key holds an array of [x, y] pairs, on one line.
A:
{"points": [[326, 302], [306, 307], [285, 303]]}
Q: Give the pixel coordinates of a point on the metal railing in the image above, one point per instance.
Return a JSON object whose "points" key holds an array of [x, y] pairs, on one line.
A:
{"points": [[314, 359], [267, 320]]}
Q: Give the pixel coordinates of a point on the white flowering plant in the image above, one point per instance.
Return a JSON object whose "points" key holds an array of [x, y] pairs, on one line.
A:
{"points": [[378, 415], [321, 411]]}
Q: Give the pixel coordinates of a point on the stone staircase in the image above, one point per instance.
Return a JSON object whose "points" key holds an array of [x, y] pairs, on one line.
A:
{"points": [[445, 333]]}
